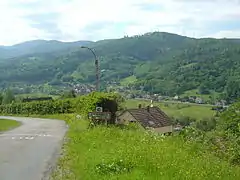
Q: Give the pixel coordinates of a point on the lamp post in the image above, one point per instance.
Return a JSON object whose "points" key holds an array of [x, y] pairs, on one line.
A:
{"points": [[96, 65]]}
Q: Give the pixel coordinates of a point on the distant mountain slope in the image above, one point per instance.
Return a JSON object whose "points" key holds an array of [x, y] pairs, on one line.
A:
{"points": [[161, 62], [38, 46]]}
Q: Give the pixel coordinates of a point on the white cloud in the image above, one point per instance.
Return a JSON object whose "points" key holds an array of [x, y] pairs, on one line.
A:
{"points": [[78, 19], [226, 34]]}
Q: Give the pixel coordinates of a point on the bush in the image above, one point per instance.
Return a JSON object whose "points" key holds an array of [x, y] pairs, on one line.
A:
{"points": [[230, 120], [181, 106], [109, 101], [166, 105], [192, 134], [184, 120], [206, 124], [220, 137]]}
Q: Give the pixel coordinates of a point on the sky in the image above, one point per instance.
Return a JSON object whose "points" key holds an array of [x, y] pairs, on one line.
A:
{"points": [[73, 20]]}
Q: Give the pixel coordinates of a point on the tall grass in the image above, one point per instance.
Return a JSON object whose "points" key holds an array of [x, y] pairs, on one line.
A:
{"points": [[112, 153]]}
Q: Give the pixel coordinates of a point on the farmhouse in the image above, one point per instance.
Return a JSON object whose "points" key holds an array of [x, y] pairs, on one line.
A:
{"points": [[149, 117]]}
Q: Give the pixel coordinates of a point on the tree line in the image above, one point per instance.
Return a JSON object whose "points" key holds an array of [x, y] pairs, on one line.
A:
{"points": [[7, 97]]}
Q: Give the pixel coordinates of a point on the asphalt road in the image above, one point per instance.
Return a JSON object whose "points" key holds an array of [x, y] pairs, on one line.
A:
{"points": [[29, 151]]}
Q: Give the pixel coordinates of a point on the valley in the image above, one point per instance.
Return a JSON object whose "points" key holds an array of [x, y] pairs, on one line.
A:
{"points": [[156, 63]]}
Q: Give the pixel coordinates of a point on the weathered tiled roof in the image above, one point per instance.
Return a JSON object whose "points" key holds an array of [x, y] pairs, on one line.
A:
{"points": [[150, 117]]}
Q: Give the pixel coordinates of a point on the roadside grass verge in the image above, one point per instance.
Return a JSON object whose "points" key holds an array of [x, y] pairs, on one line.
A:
{"points": [[177, 110], [113, 153], [6, 124]]}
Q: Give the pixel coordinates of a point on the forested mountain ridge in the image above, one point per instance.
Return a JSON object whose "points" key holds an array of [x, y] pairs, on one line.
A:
{"points": [[161, 62], [38, 46]]}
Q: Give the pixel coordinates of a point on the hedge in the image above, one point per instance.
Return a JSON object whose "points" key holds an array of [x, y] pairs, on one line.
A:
{"points": [[39, 107], [81, 105]]}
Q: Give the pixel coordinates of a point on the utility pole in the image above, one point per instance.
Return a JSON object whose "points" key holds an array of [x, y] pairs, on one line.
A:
{"points": [[96, 66]]}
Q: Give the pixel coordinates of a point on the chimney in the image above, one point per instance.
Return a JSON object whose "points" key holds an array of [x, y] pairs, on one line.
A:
{"points": [[139, 106], [148, 108], [151, 105]]}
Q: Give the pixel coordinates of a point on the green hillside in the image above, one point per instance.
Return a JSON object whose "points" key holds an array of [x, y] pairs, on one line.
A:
{"points": [[162, 63], [38, 46]]}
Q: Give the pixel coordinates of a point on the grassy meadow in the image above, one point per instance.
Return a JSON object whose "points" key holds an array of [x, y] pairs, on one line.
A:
{"points": [[112, 153], [177, 110], [205, 97], [6, 124]]}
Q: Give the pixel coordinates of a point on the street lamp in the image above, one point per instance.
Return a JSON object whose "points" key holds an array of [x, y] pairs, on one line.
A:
{"points": [[96, 65]]}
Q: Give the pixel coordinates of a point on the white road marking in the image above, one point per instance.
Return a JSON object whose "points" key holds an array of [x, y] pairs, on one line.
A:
{"points": [[40, 135], [18, 135], [25, 136]]}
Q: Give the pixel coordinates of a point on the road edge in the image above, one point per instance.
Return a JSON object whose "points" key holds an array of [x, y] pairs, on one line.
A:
{"points": [[53, 160]]}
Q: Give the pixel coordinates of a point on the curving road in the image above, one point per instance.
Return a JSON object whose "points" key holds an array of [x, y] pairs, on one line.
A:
{"points": [[29, 151]]}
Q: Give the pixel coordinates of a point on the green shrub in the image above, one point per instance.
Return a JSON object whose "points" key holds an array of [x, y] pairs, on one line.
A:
{"points": [[221, 137], [181, 106], [192, 134], [206, 124], [184, 120], [230, 120]]}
